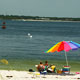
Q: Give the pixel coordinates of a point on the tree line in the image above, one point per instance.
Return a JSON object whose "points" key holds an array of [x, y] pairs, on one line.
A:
{"points": [[10, 17]]}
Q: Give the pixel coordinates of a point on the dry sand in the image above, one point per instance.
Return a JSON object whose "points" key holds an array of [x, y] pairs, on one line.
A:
{"points": [[25, 75]]}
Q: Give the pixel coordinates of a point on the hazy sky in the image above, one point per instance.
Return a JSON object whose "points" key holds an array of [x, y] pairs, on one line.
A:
{"points": [[44, 8]]}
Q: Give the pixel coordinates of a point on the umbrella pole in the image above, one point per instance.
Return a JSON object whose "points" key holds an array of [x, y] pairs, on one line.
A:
{"points": [[66, 58]]}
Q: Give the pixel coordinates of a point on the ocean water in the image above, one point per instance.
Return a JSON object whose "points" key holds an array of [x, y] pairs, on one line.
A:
{"points": [[15, 43]]}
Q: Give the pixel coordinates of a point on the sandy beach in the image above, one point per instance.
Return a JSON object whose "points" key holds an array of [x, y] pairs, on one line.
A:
{"points": [[25, 75]]}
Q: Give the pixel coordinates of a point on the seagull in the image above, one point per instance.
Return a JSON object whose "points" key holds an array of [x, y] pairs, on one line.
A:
{"points": [[29, 35]]}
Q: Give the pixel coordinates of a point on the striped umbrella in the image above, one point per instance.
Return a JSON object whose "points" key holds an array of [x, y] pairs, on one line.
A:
{"points": [[64, 45]]}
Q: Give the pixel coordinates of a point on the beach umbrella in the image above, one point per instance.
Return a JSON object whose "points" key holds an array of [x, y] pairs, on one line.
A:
{"points": [[64, 46]]}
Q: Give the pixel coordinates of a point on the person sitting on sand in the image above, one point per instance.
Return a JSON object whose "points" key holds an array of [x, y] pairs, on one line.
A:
{"points": [[41, 67], [46, 65]]}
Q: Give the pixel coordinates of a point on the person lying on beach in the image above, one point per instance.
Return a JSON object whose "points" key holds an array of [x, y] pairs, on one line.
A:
{"points": [[52, 68]]}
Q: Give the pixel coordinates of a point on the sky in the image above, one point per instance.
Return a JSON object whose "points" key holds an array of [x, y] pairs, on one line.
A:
{"points": [[42, 8]]}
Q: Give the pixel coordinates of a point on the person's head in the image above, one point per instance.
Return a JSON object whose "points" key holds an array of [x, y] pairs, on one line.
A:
{"points": [[40, 62], [46, 61], [51, 65]]}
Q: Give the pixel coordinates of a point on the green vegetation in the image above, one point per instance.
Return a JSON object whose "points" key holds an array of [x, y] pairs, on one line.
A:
{"points": [[15, 17], [24, 64]]}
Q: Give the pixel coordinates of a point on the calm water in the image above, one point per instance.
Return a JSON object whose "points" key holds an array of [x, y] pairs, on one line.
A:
{"points": [[15, 44]]}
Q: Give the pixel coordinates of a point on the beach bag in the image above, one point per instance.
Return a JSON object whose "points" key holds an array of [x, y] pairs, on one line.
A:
{"points": [[31, 70]]}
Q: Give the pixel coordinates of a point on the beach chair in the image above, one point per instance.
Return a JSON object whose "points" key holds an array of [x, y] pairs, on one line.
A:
{"points": [[66, 70]]}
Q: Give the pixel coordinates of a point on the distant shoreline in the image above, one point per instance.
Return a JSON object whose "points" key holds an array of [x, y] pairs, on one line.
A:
{"points": [[38, 18], [42, 20]]}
